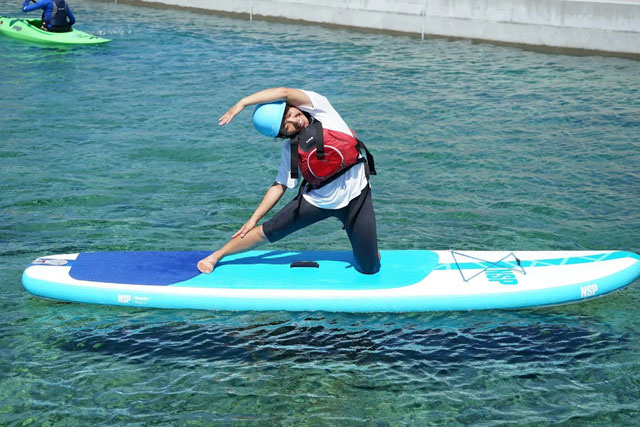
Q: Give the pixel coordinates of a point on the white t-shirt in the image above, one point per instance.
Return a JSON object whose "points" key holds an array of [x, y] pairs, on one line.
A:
{"points": [[338, 193]]}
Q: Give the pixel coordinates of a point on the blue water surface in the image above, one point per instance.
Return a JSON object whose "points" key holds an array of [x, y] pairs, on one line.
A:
{"points": [[117, 147]]}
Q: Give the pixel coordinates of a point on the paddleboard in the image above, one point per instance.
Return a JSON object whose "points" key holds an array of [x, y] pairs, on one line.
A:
{"points": [[413, 280], [29, 29]]}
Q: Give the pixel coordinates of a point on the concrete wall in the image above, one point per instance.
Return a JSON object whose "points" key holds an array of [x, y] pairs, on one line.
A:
{"points": [[592, 25]]}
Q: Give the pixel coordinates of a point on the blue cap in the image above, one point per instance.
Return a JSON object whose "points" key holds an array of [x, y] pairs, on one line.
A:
{"points": [[267, 118]]}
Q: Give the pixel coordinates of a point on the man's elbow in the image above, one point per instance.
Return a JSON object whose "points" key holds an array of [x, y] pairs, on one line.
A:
{"points": [[281, 187]]}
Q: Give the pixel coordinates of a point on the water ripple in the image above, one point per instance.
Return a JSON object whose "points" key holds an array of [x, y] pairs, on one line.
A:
{"points": [[439, 348]]}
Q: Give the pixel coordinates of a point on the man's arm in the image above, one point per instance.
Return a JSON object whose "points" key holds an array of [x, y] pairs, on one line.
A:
{"points": [[292, 96]]}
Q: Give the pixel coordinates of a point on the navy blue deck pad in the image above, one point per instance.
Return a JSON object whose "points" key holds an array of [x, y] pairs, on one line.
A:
{"points": [[137, 268], [170, 267]]}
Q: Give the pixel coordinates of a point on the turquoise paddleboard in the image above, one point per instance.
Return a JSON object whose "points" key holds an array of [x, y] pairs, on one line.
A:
{"points": [[416, 280]]}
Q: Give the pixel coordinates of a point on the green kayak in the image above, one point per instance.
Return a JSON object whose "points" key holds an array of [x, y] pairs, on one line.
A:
{"points": [[29, 29]]}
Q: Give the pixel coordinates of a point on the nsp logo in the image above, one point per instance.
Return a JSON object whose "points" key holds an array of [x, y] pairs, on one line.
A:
{"points": [[588, 291]]}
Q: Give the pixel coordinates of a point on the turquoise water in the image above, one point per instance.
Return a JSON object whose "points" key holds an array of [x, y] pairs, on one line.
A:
{"points": [[479, 147]]}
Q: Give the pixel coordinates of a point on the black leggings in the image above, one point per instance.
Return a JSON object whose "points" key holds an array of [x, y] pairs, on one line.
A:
{"points": [[361, 229]]}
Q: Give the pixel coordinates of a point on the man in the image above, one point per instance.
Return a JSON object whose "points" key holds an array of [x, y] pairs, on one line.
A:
{"points": [[344, 194], [56, 15]]}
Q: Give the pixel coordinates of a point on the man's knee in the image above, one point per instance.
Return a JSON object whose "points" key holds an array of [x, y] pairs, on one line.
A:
{"points": [[370, 266]]}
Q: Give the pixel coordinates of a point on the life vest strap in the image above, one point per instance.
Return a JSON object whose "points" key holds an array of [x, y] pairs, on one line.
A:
{"points": [[370, 163], [294, 159]]}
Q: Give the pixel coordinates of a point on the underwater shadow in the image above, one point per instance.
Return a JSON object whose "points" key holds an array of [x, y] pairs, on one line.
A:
{"points": [[436, 349]]}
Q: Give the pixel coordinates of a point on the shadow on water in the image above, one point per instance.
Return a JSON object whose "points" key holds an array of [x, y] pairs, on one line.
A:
{"points": [[391, 343]]}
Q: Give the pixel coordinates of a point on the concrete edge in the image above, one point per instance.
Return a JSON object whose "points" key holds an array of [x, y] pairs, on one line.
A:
{"points": [[606, 42]]}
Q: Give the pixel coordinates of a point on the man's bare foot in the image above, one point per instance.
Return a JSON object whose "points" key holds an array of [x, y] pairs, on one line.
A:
{"points": [[206, 265]]}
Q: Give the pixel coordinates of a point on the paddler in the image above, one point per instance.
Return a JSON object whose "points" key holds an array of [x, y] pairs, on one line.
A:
{"points": [[56, 14], [301, 116]]}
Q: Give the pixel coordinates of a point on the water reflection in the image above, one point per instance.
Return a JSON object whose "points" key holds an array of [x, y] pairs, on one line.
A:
{"points": [[315, 339]]}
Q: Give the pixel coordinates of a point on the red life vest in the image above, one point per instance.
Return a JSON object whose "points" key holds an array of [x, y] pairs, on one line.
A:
{"points": [[323, 155]]}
